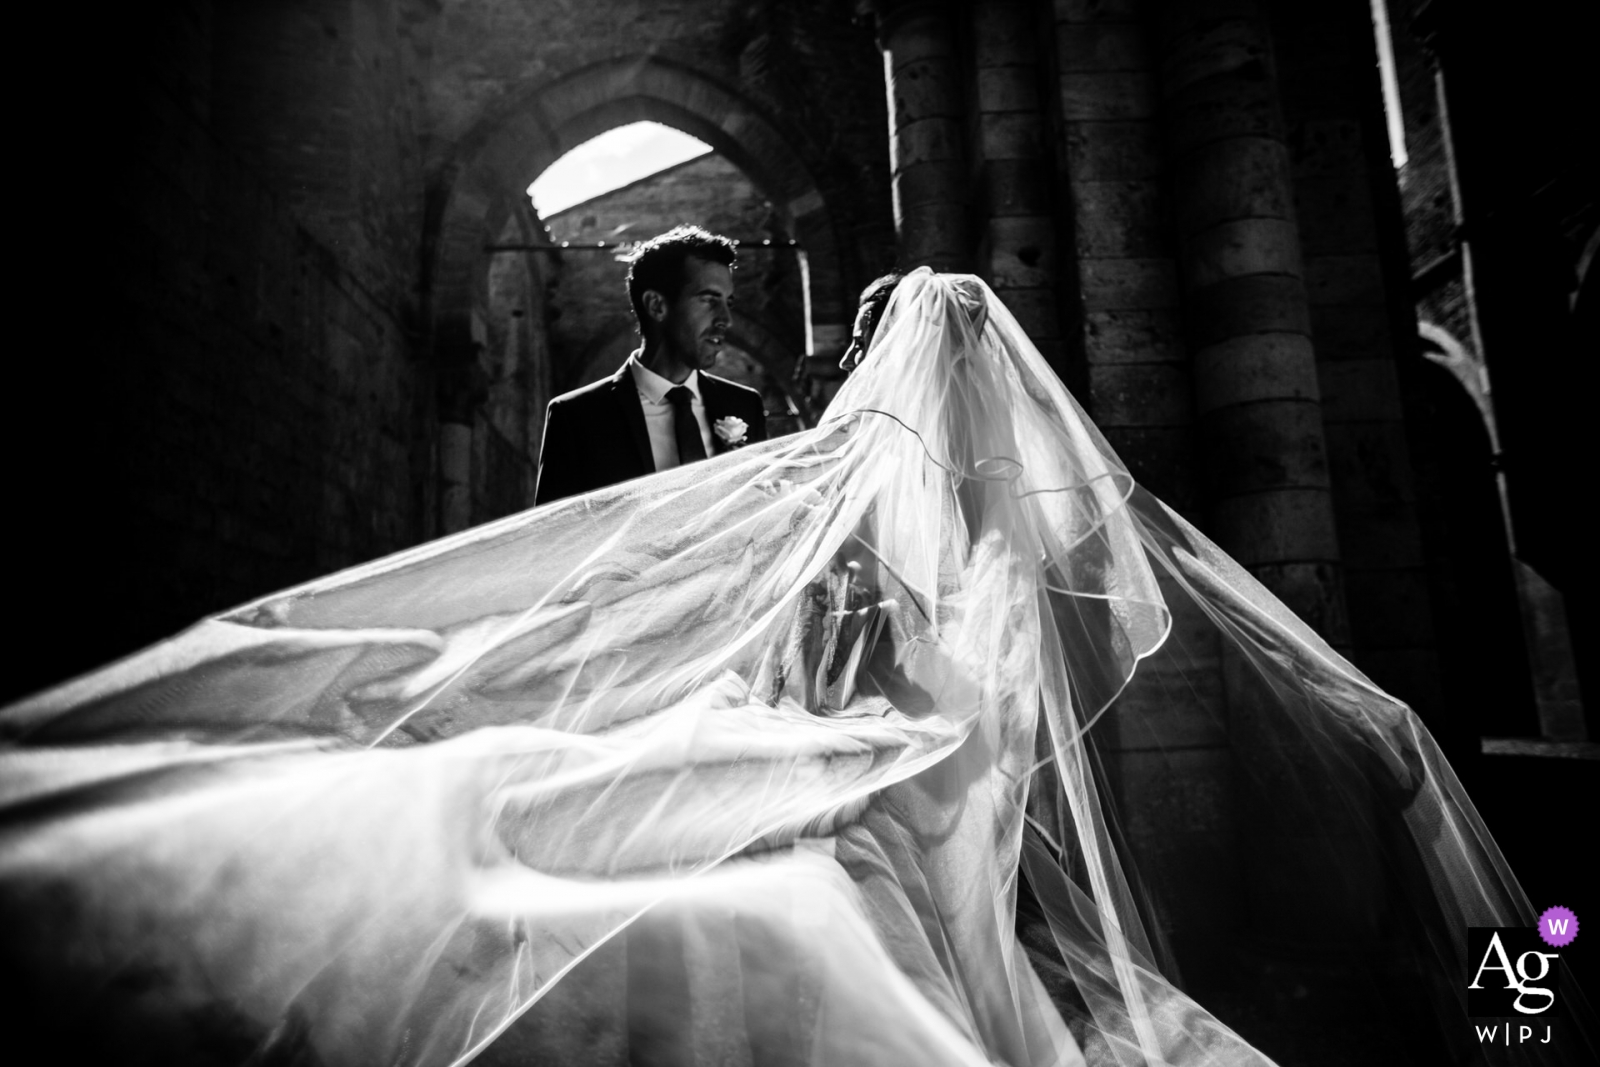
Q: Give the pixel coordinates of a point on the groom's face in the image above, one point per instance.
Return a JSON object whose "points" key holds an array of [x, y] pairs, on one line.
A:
{"points": [[699, 315]]}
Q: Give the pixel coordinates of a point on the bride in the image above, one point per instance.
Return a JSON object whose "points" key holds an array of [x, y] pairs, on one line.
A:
{"points": [[792, 725]]}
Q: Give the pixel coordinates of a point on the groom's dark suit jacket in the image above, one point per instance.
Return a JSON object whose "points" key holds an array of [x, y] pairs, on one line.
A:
{"points": [[595, 436]]}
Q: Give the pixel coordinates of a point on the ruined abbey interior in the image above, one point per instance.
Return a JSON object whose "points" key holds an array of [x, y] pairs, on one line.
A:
{"points": [[1320, 270]]}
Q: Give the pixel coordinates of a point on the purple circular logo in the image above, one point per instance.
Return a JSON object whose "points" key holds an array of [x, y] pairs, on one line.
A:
{"points": [[1558, 926]]}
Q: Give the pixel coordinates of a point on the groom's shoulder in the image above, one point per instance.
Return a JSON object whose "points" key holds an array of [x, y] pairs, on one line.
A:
{"points": [[585, 393], [736, 388]]}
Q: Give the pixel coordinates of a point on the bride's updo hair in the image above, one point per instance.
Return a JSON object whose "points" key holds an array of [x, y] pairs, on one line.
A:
{"points": [[876, 297], [969, 296]]}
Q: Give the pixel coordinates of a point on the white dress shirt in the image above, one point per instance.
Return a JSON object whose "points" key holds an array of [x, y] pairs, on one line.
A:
{"points": [[658, 412]]}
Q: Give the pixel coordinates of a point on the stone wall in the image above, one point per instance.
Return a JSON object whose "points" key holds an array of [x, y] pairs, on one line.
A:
{"points": [[274, 373], [247, 406]]}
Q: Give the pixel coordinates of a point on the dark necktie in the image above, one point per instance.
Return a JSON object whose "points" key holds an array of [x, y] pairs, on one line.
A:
{"points": [[684, 425]]}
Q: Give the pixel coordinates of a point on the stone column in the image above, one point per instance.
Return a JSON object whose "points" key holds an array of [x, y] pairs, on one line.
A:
{"points": [[926, 143], [1018, 251], [1312, 884], [1167, 747], [1361, 312], [455, 477], [1248, 317], [461, 388]]}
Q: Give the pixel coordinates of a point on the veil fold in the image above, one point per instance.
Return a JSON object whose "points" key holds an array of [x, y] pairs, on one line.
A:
{"points": [[798, 724]]}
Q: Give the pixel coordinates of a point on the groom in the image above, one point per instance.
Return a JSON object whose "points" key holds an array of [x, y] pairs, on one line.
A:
{"points": [[661, 410]]}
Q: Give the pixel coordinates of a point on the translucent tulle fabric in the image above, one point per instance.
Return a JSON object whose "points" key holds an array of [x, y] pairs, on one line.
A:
{"points": [[787, 723]]}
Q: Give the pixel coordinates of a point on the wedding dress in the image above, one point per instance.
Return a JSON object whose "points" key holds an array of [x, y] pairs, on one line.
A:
{"points": [[814, 704]]}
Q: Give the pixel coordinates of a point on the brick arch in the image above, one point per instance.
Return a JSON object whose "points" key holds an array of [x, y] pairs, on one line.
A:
{"points": [[495, 163]]}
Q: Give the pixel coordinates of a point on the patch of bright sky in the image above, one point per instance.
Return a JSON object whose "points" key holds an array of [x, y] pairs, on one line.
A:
{"points": [[609, 162]]}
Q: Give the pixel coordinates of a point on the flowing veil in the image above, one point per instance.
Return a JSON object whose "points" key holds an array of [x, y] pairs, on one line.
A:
{"points": [[799, 725]]}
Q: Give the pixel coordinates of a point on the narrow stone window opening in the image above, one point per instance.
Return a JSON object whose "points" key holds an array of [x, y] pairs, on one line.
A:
{"points": [[1391, 84]]}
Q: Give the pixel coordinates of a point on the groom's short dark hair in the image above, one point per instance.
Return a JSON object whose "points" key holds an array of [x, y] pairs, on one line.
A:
{"points": [[658, 263]]}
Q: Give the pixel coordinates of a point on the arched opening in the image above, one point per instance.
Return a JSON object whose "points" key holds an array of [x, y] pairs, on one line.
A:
{"points": [[1487, 675], [632, 197], [796, 302], [1506, 627]]}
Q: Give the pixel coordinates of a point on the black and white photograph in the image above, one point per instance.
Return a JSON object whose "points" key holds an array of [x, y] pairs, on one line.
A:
{"points": [[802, 533]]}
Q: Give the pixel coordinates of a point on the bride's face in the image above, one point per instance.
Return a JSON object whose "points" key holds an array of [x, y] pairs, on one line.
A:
{"points": [[860, 339]]}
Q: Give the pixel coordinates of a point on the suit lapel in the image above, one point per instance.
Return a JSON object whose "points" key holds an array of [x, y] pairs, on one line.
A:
{"points": [[713, 397], [626, 395]]}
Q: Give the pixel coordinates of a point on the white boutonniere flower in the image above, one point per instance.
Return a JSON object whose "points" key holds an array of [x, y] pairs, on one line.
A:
{"points": [[731, 431]]}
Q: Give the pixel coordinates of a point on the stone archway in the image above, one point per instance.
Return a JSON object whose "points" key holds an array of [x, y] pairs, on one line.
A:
{"points": [[495, 163]]}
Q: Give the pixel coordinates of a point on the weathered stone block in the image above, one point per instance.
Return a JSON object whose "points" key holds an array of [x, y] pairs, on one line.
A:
{"points": [[1290, 524], [1119, 219], [1037, 311], [1359, 390], [924, 88], [1326, 146], [1262, 446], [1254, 303], [1139, 394], [1012, 135], [1242, 247], [1106, 96], [1003, 34], [1134, 336], [1371, 465], [1163, 459], [933, 182], [1112, 284], [1113, 151], [1090, 11], [1023, 251], [1353, 279], [1217, 109], [1191, 16], [927, 140], [1235, 178], [1178, 791], [1016, 187], [1008, 88], [920, 35], [935, 230], [1255, 367], [1105, 46], [1223, 47]]}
